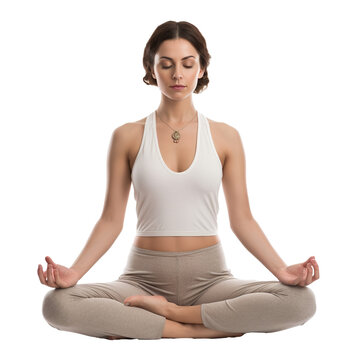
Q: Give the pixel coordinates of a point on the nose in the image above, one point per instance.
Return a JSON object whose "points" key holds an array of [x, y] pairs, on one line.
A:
{"points": [[177, 74]]}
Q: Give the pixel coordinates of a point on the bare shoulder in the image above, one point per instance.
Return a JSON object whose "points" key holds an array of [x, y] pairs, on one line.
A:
{"points": [[129, 131], [130, 127], [226, 135], [130, 135], [225, 129]]}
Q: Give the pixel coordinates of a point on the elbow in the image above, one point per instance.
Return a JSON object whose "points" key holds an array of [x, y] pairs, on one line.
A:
{"points": [[115, 224], [245, 221]]}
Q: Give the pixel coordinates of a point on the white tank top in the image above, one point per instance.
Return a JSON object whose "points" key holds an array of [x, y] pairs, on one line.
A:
{"points": [[170, 203]]}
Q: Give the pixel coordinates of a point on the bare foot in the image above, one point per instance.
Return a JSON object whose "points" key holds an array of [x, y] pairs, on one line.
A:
{"points": [[157, 304]]}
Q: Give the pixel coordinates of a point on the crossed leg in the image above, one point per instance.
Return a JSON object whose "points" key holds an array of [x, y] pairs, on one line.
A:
{"points": [[233, 307], [228, 308], [97, 309], [175, 329]]}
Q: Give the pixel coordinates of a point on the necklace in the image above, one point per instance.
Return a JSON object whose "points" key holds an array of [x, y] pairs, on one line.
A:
{"points": [[176, 134]]}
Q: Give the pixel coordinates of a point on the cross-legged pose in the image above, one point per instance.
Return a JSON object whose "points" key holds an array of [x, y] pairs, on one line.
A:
{"points": [[176, 283]]}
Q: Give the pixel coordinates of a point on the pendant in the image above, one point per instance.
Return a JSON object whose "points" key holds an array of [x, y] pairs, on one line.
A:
{"points": [[176, 136]]}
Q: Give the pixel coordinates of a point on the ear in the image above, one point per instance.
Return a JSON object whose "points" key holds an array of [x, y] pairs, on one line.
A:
{"points": [[201, 73], [153, 74]]}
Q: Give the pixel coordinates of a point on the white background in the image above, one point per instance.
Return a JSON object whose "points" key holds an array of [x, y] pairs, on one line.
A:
{"points": [[284, 73]]}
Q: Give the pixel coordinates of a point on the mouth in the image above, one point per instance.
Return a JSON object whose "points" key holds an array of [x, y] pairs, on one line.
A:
{"points": [[177, 86]]}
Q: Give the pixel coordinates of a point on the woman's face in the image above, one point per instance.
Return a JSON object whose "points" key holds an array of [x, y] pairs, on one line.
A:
{"points": [[177, 62]]}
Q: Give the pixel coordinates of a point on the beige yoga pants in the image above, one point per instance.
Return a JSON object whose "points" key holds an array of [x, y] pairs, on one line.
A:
{"points": [[184, 278]]}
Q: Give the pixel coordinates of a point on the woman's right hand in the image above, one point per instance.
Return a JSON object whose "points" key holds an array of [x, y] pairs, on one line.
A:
{"points": [[57, 276]]}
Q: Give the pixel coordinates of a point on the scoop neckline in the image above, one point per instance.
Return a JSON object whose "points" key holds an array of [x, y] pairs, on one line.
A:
{"points": [[196, 150]]}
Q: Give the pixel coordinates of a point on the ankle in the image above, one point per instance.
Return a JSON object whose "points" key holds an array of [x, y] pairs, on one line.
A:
{"points": [[200, 331], [174, 329], [171, 311]]}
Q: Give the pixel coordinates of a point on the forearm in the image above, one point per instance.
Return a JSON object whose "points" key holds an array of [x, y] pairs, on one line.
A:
{"points": [[101, 239], [254, 240]]}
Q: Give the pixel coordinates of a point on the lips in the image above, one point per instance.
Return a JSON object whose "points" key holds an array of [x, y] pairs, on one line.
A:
{"points": [[176, 86]]}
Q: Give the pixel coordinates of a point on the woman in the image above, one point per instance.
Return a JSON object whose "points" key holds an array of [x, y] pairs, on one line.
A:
{"points": [[176, 282]]}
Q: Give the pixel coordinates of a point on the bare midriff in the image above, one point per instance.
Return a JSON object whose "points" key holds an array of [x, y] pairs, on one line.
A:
{"points": [[175, 243]]}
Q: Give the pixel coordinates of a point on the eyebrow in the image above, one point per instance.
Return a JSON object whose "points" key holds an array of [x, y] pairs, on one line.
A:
{"points": [[184, 58]]}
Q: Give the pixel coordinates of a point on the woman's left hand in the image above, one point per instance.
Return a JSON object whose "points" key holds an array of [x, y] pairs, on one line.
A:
{"points": [[299, 274]]}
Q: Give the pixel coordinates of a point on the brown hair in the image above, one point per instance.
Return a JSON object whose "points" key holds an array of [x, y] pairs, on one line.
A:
{"points": [[174, 30]]}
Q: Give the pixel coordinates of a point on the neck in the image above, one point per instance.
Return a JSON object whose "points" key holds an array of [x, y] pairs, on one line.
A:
{"points": [[176, 113]]}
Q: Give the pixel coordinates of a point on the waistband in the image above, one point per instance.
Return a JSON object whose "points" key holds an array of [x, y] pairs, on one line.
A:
{"points": [[138, 250]]}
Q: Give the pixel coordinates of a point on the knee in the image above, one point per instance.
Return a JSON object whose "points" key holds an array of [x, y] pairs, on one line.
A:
{"points": [[308, 307], [55, 307], [302, 304]]}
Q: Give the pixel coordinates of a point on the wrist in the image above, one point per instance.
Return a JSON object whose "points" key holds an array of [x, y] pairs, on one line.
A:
{"points": [[279, 270], [77, 273]]}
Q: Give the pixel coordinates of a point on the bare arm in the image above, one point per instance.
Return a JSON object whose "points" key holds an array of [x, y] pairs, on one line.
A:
{"points": [[242, 223], [101, 239], [254, 240], [110, 224]]}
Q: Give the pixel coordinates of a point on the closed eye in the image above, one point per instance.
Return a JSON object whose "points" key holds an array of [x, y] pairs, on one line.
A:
{"points": [[168, 67]]}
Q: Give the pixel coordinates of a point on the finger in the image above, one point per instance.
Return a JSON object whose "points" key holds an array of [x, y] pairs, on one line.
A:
{"points": [[304, 277], [307, 261], [301, 283], [41, 275], [48, 270], [52, 275], [50, 279], [49, 260], [57, 278], [316, 270], [305, 273], [309, 275]]}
